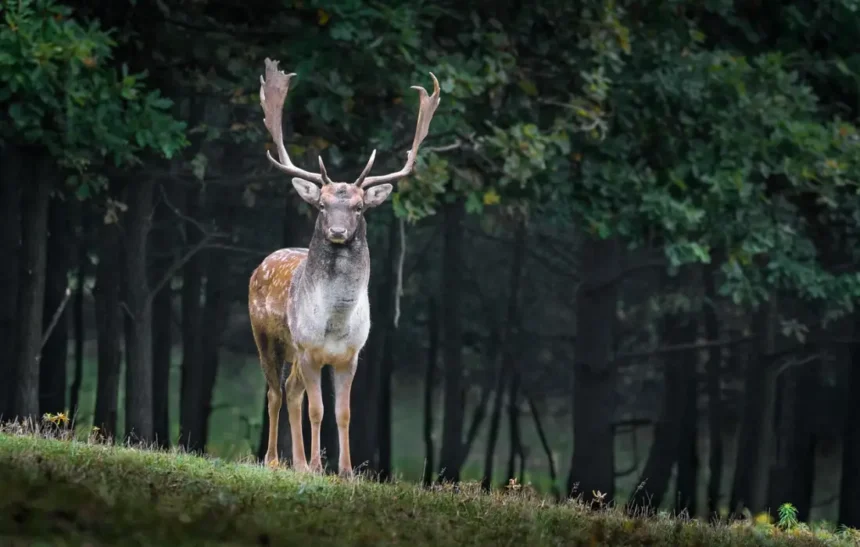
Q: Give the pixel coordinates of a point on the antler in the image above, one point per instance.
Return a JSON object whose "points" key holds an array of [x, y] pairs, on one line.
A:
{"points": [[428, 105], [273, 92]]}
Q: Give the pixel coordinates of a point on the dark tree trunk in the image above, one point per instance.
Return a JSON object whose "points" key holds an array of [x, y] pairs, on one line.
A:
{"points": [[507, 352], [688, 453], [11, 171], [664, 449], [138, 378], [714, 390], [214, 322], [79, 326], [37, 196], [191, 398], [849, 488], [452, 334], [429, 385], [52, 374], [386, 362], [516, 447], [675, 433], [593, 461], [793, 471], [495, 421], [749, 438], [109, 321], [162, 340], [328, 428]]}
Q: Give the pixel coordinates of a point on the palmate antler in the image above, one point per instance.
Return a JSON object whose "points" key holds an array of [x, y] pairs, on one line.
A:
{"points": [[273, 93]]}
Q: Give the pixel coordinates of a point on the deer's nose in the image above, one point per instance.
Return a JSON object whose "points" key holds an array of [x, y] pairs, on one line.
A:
{"points": [[337, 232]]}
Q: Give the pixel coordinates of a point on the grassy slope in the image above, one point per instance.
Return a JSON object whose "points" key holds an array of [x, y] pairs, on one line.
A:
{"points": [[236, 422], [75, 493]]}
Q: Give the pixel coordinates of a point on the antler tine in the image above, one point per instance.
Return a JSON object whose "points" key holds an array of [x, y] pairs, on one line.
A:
{"points": [[367, 169], [323, 172], [273, 92], [428, 105]]}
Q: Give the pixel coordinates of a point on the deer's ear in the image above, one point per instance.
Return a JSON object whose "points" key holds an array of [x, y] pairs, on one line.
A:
{"points": [[376, 195], [308, 191]]}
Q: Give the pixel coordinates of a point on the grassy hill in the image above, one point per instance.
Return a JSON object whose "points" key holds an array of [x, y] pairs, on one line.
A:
{"points": [[60, 492]]}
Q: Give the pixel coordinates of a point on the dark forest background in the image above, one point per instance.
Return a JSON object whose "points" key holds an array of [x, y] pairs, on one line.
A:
{"points": [[626, 264]]}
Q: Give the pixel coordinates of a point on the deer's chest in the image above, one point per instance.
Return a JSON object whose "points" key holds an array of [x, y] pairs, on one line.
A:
{"points": [[332, 318]]}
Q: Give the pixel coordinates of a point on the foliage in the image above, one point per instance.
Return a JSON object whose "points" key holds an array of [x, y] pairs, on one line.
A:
{"points": [[144, 497], [787, 516], [60, 90]]}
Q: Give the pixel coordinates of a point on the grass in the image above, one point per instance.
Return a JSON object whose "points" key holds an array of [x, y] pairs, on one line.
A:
{"points": [[62, 492], [236, 422]]}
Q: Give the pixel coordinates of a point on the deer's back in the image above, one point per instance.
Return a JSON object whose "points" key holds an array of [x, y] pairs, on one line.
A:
{"points": [[269, 291]]}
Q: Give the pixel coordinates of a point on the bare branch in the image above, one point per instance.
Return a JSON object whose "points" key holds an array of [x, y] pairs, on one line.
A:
{"points": [[55, 319], [398, 291], [683, 347], [177, 265]]}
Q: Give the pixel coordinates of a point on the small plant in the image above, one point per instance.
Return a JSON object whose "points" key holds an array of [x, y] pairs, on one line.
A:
{"points": [[787, 516]]}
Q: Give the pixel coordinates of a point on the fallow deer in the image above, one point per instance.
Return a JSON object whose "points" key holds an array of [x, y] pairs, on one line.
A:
{"points": [[309, 306]]}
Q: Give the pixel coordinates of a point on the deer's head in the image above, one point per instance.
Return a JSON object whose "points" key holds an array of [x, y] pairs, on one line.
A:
{"points": [[340, 205]]}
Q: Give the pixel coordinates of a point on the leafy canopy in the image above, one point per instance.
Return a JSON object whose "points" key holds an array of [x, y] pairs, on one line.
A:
{"points": [[61, 91]]}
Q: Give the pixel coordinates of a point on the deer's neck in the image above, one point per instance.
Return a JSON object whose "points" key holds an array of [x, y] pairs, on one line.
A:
{"points": [[342, 271]]}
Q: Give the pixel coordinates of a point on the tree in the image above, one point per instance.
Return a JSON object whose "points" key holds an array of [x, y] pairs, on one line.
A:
{"points": [[75, 112]]}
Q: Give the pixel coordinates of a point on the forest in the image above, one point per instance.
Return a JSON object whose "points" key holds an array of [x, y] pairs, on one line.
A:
{"points": [[625, 267]]}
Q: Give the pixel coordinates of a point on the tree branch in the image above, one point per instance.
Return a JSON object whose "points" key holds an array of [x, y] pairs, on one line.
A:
{"points": [[55, 319], [177, 265], [398, 291], [683, 347]]}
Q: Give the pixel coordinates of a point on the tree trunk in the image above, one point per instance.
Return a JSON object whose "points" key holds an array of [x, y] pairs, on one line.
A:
{"points": [[37, 196], [793, 471], [849, 487], [714, 389], [688, 453], [138, 377], [507, 350], [52, 374], [11, 171], [429, 385], [191, 398], [751, 444], [386, 362], [78, 314], [214, 322], [162, 310], [664, 448], [675, 433], [452, 421], [593, 461], [514, 426], [495, 420], [109, 321]]}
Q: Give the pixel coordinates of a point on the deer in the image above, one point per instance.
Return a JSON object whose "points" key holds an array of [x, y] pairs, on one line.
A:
{"points": [[309, 307]]}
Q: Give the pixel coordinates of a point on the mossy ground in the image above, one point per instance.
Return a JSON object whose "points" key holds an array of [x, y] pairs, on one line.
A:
{"points": [[61, 492]]}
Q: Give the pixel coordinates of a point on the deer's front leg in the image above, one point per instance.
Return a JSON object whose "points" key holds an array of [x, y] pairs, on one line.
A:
{"points": [[342, 386], [312, 373]]}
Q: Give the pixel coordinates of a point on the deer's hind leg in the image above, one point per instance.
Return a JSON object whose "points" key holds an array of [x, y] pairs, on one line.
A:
{"points": [[295, 389], [271, 365]]}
